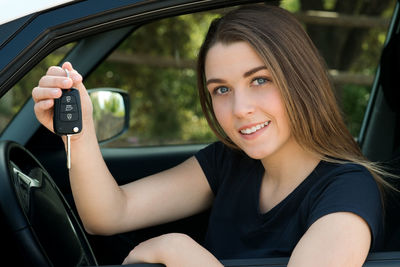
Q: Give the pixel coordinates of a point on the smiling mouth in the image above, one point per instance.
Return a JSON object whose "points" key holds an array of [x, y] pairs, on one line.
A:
{"points": [[254, 128]]}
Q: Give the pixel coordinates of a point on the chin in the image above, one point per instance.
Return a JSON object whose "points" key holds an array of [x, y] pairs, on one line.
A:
{"points": [[256, 154]]}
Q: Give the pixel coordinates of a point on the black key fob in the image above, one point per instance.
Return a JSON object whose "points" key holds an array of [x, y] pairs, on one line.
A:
{"points": [[67, 117]]}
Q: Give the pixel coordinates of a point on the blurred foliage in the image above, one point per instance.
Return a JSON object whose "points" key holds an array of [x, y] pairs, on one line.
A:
{"points": [[164, 105], [14, 99], [354, 102], [291, 5], [164, 102], [350, 50]]}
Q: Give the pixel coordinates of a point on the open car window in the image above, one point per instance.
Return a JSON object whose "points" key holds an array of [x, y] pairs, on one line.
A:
{"points": [[156, 65], [14, 99]]}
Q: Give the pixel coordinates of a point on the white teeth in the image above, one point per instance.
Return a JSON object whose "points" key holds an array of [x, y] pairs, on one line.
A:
{"points": [[254, 128]]}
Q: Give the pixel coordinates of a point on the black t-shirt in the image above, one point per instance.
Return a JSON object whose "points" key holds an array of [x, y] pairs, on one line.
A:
{"points": [[237, 229]]}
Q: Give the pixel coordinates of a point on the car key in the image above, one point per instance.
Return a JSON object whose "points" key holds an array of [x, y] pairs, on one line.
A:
{"points": [[67, 117]]}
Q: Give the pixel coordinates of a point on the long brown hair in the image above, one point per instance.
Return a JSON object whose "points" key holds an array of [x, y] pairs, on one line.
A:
{"points": [[298, 71]]}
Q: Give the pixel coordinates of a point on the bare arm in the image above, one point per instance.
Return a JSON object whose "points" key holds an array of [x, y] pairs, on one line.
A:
{"points": [[172, 250], [105, 207], [338, 239]]}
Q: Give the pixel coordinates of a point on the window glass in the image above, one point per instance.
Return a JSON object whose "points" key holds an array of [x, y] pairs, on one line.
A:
{"points": [[15, 98], [350, 36], [156, 65]]}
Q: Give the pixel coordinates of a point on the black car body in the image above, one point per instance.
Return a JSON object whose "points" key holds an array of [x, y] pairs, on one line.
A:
{"points": [[97, 27]]}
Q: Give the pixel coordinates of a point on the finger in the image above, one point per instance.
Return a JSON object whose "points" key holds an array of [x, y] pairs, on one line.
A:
{"points": [[40, 93], [61, 71], [73, 74], [55, 82], [43, 105], [56, 71], [67, 65], [76, 77], [44, 112], [131, 258]]}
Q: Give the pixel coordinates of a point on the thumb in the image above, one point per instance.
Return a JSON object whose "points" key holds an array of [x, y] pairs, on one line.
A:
{"points": [[67, 65]]}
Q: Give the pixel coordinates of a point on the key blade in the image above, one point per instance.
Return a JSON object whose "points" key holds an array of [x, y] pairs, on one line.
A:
{"points": [[69, 152]]}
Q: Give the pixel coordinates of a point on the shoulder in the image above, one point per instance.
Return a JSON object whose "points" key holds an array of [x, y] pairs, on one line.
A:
{"points": [[346, 187], [343, 187], [219, 154], [347, 180], [218, 161], [344, 175], [337, 169], [218, 149]]}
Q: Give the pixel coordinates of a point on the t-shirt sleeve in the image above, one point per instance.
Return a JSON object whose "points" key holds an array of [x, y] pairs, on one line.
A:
{"points": [[211, 159], [352, 191]]}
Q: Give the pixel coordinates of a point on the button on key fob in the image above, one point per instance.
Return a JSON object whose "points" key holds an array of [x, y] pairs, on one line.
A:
{"points": [[67, 117]]}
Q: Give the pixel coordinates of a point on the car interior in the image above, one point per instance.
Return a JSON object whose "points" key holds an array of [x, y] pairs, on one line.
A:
{"points": [[46, 231]]}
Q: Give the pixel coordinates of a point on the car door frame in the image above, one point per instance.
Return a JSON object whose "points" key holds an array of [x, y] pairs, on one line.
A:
{"points": [[48, 40]]}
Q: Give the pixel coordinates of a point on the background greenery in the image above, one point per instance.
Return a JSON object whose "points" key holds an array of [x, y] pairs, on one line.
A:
{"points": [[156, 65]]}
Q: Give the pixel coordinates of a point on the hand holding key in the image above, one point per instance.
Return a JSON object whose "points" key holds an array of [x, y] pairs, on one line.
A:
{"points": [[49, 92], [67, 117]]}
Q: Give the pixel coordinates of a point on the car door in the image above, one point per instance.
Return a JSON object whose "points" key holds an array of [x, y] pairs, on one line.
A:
{"points": [[92, 45], [86, 44]]}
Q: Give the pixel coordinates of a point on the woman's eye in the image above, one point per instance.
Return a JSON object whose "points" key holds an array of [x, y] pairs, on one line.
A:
{"points": [[259, 81], [221, 90]]}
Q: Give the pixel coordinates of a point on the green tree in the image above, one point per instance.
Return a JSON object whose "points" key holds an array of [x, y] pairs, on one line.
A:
{"points": [[164, 99], [350, 49]]}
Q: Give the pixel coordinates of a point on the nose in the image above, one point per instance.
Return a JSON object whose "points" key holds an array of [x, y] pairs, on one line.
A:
{"points": [[243, 104]]}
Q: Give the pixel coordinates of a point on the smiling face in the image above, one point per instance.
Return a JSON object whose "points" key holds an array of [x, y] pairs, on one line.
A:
{"points": [[246, 103]]}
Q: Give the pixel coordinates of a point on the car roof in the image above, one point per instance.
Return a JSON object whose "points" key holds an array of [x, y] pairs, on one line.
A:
{"points": [[15, 9], [36, 31]]}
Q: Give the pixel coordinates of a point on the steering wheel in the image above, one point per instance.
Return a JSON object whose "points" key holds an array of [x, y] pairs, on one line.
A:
{"points": [[40, 219]]}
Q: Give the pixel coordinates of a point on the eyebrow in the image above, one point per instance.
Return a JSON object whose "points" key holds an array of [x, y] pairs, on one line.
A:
{"points": [[246, 74], [254, 70], [215, 81]]}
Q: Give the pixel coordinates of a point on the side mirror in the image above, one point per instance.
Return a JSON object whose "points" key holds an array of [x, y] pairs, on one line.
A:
{"points": [[110, 112]]}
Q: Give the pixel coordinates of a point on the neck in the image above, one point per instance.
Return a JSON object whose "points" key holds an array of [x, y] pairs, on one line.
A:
{"points": [[290, 165]]}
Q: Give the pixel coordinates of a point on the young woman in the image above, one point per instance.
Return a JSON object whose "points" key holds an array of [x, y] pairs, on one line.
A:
{"points": [[287, 179]]}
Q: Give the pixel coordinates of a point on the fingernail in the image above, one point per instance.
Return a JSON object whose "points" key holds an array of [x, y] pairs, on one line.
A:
{"points": [[55, 92], [65, 83]]}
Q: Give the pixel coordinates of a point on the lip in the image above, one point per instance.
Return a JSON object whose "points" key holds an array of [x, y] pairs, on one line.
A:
{"points": [[252, 125], [256, 133]]}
